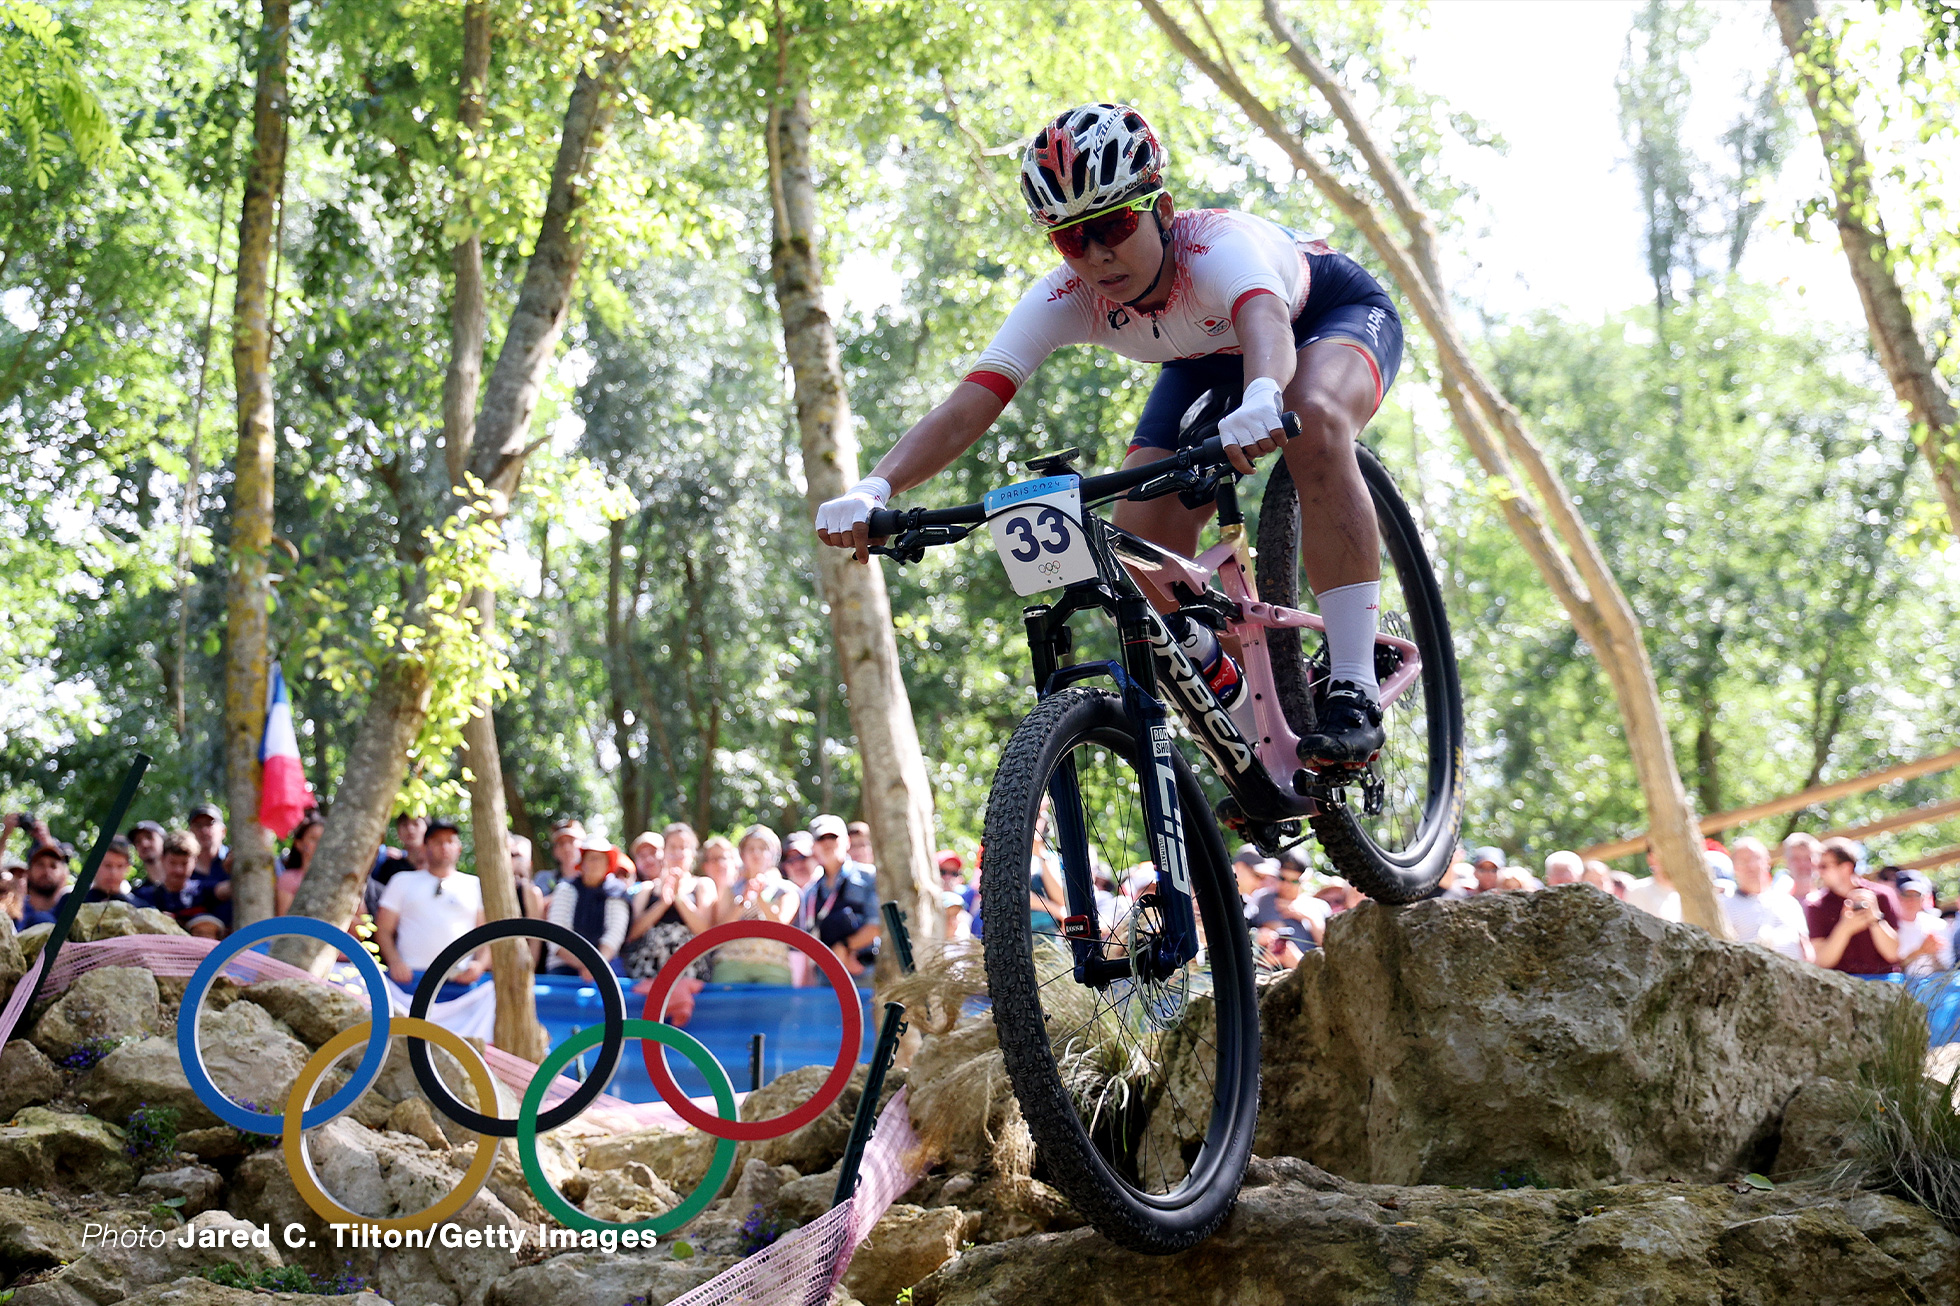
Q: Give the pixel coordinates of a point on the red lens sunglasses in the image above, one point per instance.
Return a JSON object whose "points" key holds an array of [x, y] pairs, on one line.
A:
{"points": [[1109, 228]]}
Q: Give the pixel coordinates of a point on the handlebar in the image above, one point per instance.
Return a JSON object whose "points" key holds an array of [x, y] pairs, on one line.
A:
{"points": [[887, 522]]}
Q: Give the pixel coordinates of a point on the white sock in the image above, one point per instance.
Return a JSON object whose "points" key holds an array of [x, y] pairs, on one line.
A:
{"points": [[1350, 612]]}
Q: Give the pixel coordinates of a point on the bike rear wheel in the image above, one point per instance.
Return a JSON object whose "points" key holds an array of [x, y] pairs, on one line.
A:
{"points": [[1141, 1096], [1395, 844]]}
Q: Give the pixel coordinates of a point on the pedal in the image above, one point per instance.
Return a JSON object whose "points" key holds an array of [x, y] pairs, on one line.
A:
{"points": [[1080, 927], [1374, 792]]}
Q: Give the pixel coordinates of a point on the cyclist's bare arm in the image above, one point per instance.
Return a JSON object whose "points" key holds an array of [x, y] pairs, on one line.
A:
{"points": [[926, 450]]}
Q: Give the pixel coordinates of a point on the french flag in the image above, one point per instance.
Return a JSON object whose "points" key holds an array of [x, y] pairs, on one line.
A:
{"points": [[284, 795]]}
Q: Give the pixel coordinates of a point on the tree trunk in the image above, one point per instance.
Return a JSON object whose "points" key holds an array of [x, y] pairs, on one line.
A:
{"points": [[503, 427], [467, 315], [1903, 353], [248, 593], [1563, 550], [632, 790], [897, 793], [362, 804], [378, 759]]}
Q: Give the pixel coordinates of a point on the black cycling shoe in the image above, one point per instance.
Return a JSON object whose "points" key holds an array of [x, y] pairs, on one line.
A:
{"points": [[1350, 731]]}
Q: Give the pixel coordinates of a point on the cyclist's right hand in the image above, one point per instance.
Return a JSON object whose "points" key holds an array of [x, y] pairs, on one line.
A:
{"points": [[845, 522]]}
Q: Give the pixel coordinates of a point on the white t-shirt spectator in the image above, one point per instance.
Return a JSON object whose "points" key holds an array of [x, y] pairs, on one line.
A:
{"points": [[1772, 919], [431, 921], [1648, 895], [1916, 931]]}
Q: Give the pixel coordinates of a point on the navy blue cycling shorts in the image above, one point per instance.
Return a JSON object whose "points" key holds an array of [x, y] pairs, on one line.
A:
{"points": [[1344, 303]]}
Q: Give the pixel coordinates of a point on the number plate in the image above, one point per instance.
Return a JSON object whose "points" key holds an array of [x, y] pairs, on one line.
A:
{"points": [[1037, 530]]}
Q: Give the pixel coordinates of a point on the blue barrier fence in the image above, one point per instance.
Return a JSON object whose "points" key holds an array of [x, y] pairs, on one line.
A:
{"points": [[799, 1027]]}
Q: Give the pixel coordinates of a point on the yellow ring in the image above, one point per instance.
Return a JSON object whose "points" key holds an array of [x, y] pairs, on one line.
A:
{"points": [[293, 1139]]}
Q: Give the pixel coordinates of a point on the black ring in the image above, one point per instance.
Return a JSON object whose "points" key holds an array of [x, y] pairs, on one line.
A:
{"points": [[610, 999]]}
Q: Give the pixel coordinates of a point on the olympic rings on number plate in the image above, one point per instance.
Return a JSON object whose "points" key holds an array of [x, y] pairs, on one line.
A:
{"points": [[611, 1035]]}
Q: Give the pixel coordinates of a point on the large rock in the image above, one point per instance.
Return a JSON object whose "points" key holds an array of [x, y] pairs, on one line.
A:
{"points": [[1302, 1235], [384, 1175], [907, 1244], [55, 1151], [312, 1010], [103, 1007], [119, 920], [250, 1059], [680, 1157], [27, 1077], [34, 1235], [1559, 1037], [13, 963], [197, 1188], [598, 1279], [817, 1145], [110, 1272], [202, 1292]]}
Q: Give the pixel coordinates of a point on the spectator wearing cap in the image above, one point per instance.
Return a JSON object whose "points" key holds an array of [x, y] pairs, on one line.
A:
{"points": [[1925, 936], [841, 906], [593, 906], [1487, 864], [1563, 867], [799, 864], [207, 826], [952, 876], [649, 856], [1759, 912], [146, 837], [424, 911], [566, 836], [47, 884], [411, 829], [187, 899], [1854, 923]]}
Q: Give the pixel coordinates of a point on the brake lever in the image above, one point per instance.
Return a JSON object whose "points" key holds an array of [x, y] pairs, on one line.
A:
{"points": [[911, 545]]}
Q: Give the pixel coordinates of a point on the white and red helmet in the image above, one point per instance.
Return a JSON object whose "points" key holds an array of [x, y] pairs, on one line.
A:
{"points": [[1089, 158]]}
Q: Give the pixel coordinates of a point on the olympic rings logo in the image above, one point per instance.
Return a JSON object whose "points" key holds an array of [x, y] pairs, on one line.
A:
{"points": [[609, 1035]]}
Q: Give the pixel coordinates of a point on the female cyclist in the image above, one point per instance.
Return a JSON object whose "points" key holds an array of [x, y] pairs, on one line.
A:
{"points": [[1227, 302]]}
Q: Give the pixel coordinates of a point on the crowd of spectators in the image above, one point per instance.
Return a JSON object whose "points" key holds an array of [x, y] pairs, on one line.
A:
{"points": [[640, 905]]}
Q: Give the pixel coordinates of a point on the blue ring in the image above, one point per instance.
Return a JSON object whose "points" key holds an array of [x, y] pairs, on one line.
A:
{"points": [[259, 1122]]}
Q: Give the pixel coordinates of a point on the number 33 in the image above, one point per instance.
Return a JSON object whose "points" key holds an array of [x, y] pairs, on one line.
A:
{"points": [[1053, 520]]}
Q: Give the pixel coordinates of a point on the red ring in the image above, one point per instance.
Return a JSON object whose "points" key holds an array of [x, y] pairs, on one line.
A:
{"points": [[832, 1088]]}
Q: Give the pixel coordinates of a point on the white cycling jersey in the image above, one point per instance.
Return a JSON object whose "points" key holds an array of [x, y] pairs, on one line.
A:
{"points": [[1222, 259]]}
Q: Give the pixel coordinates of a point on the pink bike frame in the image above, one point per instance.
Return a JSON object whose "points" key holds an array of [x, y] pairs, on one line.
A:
{"points": [[1157, 570]]}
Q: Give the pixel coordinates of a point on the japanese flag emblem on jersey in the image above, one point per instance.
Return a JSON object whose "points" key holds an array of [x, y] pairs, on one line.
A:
{"points": [[1215, 326]]}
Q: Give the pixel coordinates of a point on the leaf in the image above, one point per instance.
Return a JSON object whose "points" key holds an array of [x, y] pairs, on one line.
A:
{"points": [[682, 1250], [1758, 1182]]}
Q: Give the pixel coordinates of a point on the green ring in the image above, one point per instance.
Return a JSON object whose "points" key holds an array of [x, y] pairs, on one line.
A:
{"points": [[527, 1128]]}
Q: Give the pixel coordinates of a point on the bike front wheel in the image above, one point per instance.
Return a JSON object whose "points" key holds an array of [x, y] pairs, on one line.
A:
{"points": [[1394, 839], [1140, 1094]]}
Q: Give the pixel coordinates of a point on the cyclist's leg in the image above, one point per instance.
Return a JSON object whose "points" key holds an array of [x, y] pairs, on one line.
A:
{"points": [[1347, 357], [1333, 393]]}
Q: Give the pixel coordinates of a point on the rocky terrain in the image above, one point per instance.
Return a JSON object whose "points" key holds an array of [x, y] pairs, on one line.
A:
{"points": [[1525, 1098]]}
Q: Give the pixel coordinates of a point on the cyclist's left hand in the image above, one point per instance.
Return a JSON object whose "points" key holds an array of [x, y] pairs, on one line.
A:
{"points": [[1253, 428]]}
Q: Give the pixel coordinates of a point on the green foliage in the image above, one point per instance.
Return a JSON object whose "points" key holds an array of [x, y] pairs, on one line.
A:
{"points": [[150, 1135], [284, 1278], [44, 96], [1908, 1123]]}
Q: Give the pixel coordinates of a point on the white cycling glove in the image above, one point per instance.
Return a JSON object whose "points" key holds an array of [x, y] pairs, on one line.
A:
{"points": [[839, 516], [1256, 417]]}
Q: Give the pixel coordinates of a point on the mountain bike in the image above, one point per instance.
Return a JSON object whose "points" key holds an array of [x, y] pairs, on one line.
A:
{"points": [[1130, 1028]]}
